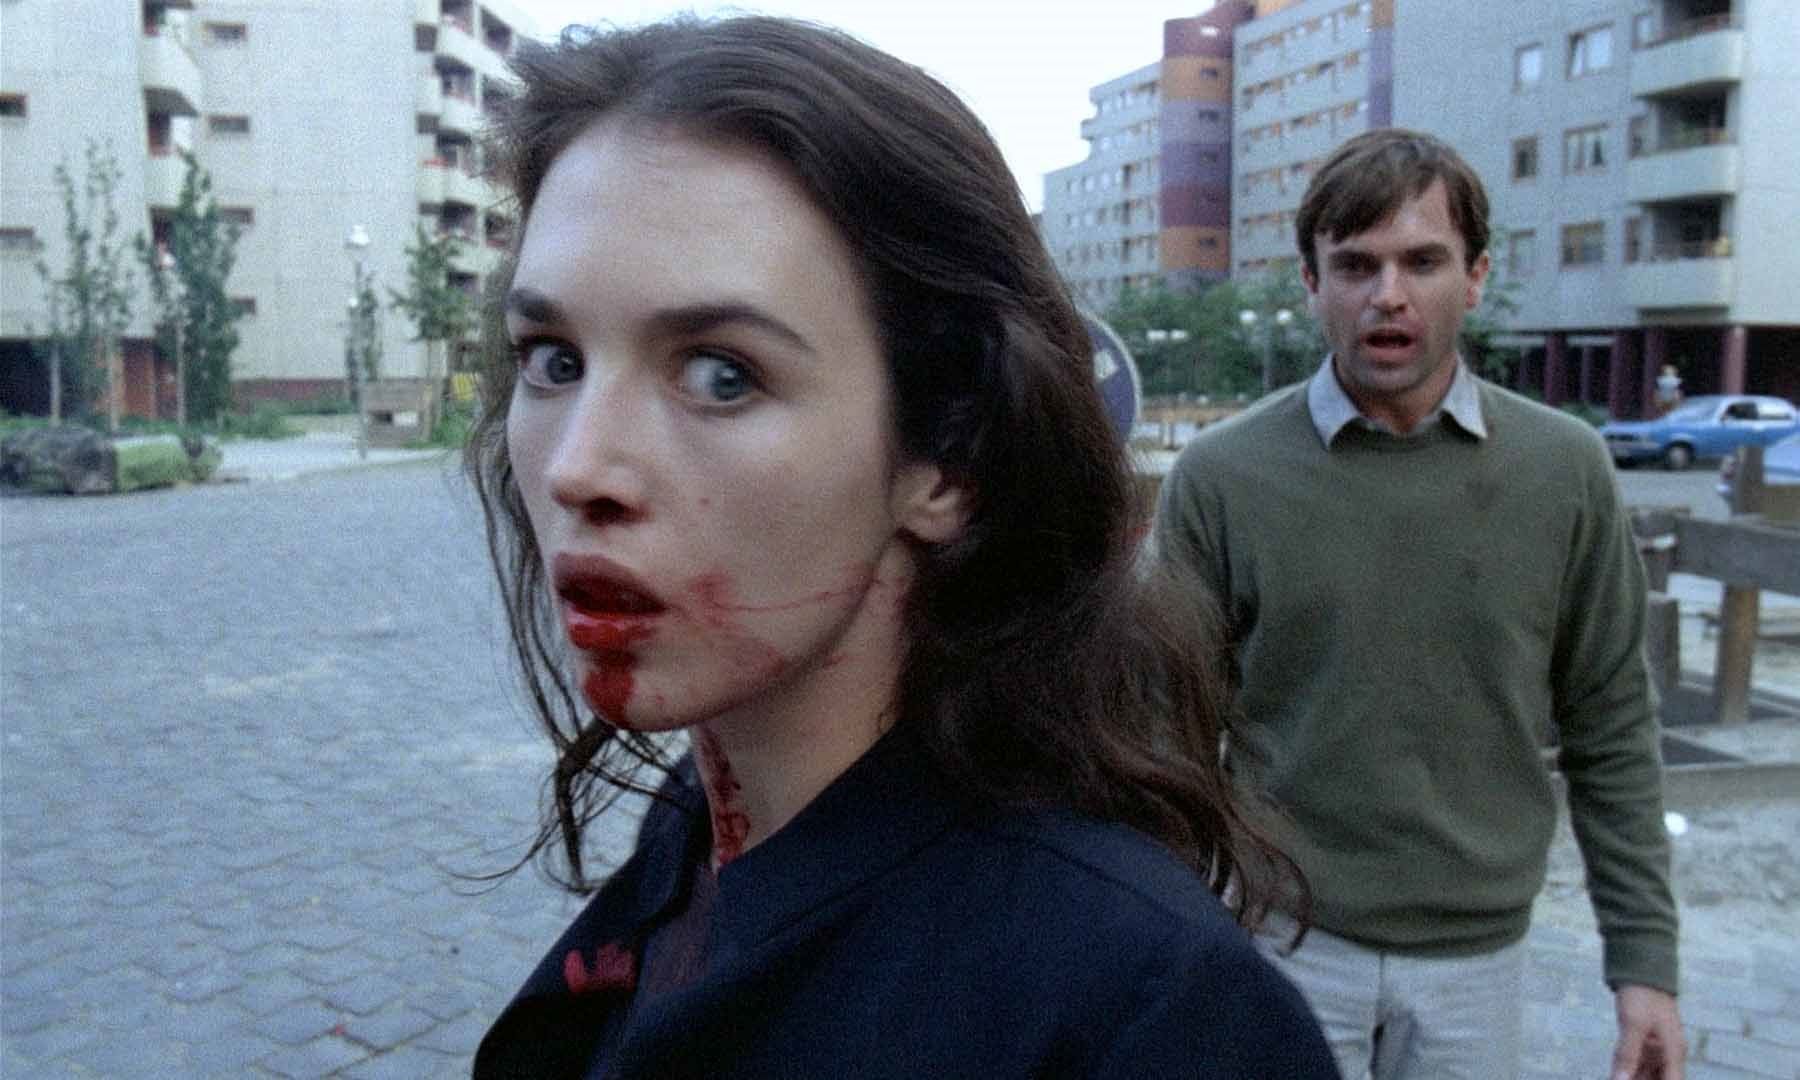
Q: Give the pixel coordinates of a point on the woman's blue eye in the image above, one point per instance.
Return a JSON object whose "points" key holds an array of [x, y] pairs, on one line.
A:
{"points": [[547, 363], [715, 379]]}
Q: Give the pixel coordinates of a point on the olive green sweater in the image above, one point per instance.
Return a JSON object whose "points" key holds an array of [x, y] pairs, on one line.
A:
{"points": [[1410, 617]]}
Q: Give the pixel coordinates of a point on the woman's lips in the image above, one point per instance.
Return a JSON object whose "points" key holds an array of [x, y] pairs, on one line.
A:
{"points": [[605, 610]]}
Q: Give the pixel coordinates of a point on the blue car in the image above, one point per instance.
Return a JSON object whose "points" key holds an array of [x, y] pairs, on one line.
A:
{"points": [[1711, 426]]}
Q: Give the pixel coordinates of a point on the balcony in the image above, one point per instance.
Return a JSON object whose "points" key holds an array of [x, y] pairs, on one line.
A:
{"points": [[466, 187], [163, 174], [460, 114], [1696, 163], [429, 182], [1704, 53], [169, 75], [457, 39], [428, 95], [1683, 276]]}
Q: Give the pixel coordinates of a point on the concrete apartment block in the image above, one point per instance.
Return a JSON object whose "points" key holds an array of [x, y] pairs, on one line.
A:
{"points": [[1151, 201], [1642, 169], [312, 116], [1309, 75]]}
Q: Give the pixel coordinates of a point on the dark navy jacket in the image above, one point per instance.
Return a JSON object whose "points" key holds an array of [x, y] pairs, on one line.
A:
{"points": [[891, 931]]}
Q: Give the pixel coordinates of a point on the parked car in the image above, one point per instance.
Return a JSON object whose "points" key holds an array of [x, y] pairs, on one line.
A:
{"points": [[1781, 465], [1710, 426]]}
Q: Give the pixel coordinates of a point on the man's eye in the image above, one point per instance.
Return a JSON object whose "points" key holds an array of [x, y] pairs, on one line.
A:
{"points": [[715, 379], [547, 364]]}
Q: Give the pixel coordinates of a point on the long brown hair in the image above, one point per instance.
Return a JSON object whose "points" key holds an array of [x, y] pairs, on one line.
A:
{"points": [[1044, 664]]}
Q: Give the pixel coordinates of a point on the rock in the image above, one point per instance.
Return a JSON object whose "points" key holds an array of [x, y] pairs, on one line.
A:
{"points": [[63, 458]]}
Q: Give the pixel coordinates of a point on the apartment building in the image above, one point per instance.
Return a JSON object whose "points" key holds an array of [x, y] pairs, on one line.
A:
{"points": [[1642, 166], [312, 117], [1309, 75], [1150, 202]]}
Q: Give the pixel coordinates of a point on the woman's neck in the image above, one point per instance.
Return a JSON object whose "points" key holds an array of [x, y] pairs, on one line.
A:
{"points": [[763, 763]]}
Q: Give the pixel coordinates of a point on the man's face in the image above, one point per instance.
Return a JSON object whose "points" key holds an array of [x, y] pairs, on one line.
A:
{"points": [[1391, 302]]}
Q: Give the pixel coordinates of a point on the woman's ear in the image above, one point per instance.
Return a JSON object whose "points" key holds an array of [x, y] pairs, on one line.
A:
{"points": [[928, 506]]}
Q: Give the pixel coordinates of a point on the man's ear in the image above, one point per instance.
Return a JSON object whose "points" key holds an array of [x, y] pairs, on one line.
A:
{"points": [[928, 506], [1478, 275], [1311, 281]]}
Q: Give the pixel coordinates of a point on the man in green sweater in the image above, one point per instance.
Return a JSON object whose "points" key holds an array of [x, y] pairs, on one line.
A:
{"points": [[1423, 576]]}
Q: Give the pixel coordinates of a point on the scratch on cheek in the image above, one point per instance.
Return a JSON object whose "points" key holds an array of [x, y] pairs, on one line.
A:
{"points": [[724, 798]]}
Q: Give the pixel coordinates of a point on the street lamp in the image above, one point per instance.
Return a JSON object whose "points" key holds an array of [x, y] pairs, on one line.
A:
{"points": [[1249, 319], [165, 260], [356, 243]]}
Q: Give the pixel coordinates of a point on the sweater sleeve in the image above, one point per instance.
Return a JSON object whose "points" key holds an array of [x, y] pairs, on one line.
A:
{"points": [[1187, 523], [1606, 720]]}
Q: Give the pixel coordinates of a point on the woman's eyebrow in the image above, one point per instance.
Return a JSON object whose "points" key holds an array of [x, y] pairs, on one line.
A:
{"points": [[699, 318], [533, 305]]}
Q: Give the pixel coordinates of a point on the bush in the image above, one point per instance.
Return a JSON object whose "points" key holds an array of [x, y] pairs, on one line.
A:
{"points": [[265, 421], [455, 420], [1593, 415]]}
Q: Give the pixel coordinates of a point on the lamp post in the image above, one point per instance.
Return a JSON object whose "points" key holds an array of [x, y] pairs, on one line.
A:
{"points": [[166, 261], [356, 243], [1249, 320]]}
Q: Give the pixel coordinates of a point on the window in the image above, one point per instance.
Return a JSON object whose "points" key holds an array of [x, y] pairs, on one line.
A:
{"points": [[1528, 66], [1590, 51], [1637, 136], [1521, 252], [1634, 239], [12, 105], [241, 216], [225, 124], [21, 239], [1584, 244], [1584, 149], [227, 33], [1643, 29], [1525, 158], [243, 306]]}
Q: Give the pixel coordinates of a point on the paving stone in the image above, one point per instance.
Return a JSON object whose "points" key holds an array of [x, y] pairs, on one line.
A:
{"points": [[321, 1057], [390, 1027], [460, 1036], [1752, 1055], [298, 1023], [408, 1063], [364, 994]]}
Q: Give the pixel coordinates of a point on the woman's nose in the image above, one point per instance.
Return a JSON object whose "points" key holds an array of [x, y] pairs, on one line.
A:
{"points": [[596, 464]]}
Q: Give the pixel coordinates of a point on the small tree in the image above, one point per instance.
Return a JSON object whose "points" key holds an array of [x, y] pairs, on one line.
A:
{"points": [[195, 315], [441, 312], [1482, 326], [364, 359], [90, 300]]}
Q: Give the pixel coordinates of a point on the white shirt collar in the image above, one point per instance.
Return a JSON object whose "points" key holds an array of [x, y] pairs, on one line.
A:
{"points": [[1332, 408]]}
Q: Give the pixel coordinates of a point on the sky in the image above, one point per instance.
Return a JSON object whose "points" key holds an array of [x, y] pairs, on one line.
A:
{"points": [[1024, 67]]}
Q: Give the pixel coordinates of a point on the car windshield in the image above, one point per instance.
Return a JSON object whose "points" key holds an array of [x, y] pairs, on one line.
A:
{"points": [[1697, 409]]}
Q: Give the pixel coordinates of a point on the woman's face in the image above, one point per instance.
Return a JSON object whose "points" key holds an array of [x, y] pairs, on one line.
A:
{"points": [[702, 435]]}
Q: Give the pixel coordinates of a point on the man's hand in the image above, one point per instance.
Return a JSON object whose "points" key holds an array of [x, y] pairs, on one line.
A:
{"points": [[1651, 1045]]}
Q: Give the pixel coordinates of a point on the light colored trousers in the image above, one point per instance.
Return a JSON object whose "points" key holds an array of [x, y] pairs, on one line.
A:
{"points": [[1396, 1017]]}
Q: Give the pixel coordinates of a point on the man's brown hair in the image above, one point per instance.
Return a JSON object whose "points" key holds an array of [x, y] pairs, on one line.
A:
{"points": [[1367, 179]]}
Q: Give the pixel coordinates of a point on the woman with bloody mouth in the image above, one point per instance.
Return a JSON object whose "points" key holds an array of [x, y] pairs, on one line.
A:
{"points": [[809, 522]]}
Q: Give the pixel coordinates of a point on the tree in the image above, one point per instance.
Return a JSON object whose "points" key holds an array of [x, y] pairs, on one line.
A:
{"points": [[1194, 342], [364, 359], [195, 315], [440, 310], [90, 301], [1481, 327]]}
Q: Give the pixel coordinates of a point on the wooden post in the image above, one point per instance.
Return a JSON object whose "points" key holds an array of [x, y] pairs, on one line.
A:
{"points": [[1739, 608]]}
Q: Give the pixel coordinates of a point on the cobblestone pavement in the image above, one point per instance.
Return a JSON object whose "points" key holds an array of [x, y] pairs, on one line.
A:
{"points": [[250, 735]]}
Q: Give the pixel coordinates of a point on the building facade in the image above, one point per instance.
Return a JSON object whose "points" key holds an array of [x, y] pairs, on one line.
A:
{"points": [[1309, 75], [1643, 174], [311, 116], [1151, 201]]}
